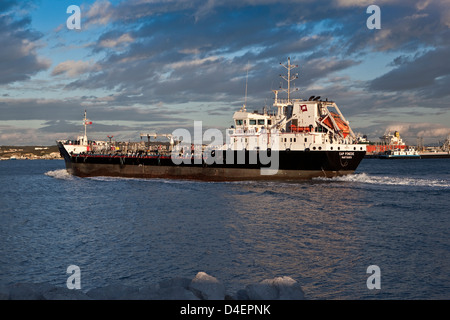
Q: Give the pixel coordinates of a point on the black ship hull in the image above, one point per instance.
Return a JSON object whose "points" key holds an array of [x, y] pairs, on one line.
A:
{"points": [[248, 165]]}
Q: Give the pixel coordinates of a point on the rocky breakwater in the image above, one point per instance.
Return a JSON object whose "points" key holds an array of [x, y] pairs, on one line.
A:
{"points": [[201, 287]]}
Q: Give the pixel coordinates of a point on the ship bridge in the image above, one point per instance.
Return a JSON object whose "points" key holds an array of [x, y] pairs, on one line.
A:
{"points": [[254, 122]]}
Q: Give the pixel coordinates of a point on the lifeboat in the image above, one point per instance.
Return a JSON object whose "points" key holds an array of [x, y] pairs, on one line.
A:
{"points": [[294, 128], [342, 126]]}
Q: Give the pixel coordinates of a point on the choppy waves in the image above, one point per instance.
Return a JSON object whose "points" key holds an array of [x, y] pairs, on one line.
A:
{"points": [[365, 178], [322, 232]]}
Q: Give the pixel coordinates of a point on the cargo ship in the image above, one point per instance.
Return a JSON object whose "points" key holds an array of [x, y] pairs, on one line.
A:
{"points": [[298, 139], [388, 142]]}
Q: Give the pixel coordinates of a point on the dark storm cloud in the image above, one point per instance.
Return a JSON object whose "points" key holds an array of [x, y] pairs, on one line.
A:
{"points": [[180, 53], [403, 27], [421, 32], [6, 4], [211, 44], [34, 109], [63, 126], [151, 55], [18, 43], [429, 70]]}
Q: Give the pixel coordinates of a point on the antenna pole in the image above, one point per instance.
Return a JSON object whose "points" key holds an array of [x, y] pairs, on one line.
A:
{"points": [[246, 82]]}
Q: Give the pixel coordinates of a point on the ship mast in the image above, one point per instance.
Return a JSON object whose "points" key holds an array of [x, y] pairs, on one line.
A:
{"points": [[289, 78], [85, 130], [85, 123]]}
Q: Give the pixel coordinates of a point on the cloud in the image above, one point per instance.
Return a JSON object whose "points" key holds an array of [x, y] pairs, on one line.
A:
{"points": [[404, 27], [183, 55], [175, 58], [100, 12], [10, 5], [410, 131], [192, 63], [73, 68], [363, 3], [72, 110], [191, 57], [116, 41], [428, 71], [18, 58], [66, 127]]}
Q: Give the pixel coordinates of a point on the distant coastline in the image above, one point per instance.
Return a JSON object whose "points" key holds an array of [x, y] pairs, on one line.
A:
{"points": [[29, 153]]}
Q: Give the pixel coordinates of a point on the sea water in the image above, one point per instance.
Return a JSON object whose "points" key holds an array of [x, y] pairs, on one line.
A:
{"points": [[323, 233]]}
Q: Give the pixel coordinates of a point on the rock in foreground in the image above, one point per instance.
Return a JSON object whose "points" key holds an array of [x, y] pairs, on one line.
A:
{"points": [[201, 287]]}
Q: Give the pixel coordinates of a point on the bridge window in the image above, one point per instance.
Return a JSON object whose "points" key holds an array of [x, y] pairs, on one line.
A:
{"points": [[261, 122], [252, 122], [239, 122]]}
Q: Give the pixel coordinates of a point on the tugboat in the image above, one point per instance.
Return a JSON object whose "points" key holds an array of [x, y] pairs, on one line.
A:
{"points": [[301, 140], [409, 153]]}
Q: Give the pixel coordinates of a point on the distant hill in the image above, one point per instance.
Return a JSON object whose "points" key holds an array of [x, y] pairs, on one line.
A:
{"points": [[29, 152]]}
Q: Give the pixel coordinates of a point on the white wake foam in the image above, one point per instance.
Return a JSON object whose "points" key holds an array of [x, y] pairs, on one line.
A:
{"points": [[59, 174], [384, 180]]}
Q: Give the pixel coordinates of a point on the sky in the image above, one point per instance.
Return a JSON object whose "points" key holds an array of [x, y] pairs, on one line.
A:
{"points": [[141, 66]]}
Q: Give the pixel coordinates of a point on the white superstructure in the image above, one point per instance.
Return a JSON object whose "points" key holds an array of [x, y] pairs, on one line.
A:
{"points": [[297, 124]]}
